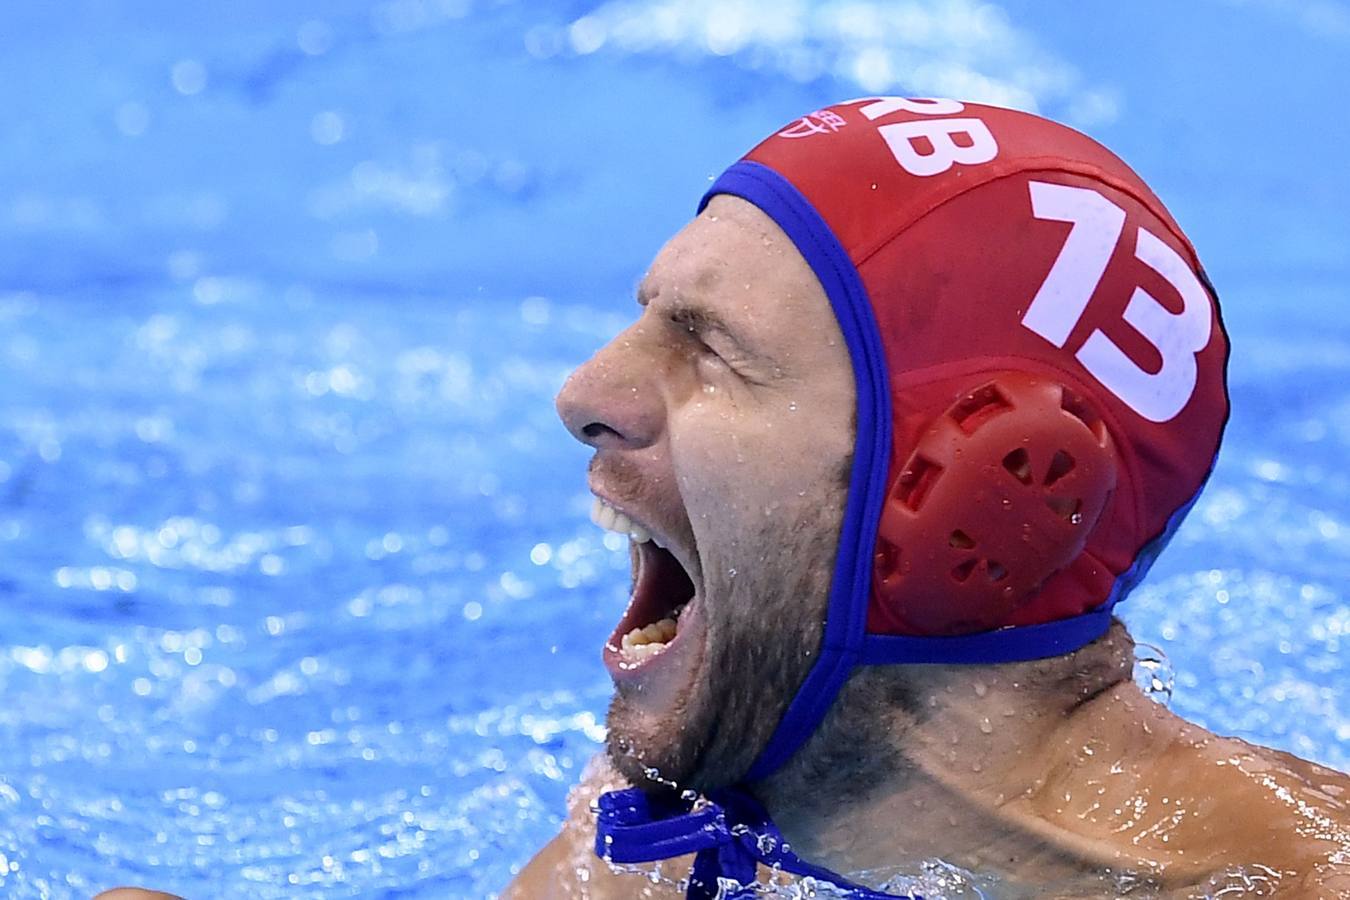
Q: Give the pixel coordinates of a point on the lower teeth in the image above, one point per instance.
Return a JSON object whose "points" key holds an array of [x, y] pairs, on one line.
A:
{"points": [[656, 633], [651, 639]]}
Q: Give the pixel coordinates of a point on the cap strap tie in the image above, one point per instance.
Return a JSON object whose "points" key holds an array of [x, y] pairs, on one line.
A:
{"points": [[729, 831]]}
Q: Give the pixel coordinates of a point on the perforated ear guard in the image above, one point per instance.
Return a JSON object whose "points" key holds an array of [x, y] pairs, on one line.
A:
{"points": [[1000, 492]]}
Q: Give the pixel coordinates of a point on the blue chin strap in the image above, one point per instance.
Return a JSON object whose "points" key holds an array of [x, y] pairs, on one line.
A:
{"points": [[730, 831]]}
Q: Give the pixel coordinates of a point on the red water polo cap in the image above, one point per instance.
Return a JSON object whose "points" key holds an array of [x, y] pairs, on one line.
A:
{"points": [[1004, 283]]}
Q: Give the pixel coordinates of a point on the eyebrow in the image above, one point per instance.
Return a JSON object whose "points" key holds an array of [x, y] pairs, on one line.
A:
{"points": [[700, 320]]}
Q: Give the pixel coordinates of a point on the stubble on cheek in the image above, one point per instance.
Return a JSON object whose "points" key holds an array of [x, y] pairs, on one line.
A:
{"points": [[766, 614]]}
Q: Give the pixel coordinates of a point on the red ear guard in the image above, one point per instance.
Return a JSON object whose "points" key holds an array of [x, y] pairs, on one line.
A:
{"points": [[1001, 492]]}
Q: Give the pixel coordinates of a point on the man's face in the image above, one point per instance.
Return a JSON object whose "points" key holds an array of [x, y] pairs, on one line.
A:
{"points": [[722, 422]]}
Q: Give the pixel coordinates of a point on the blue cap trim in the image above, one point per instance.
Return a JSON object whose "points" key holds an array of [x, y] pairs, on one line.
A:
{"points": [[1000, 646], [846, 620]]}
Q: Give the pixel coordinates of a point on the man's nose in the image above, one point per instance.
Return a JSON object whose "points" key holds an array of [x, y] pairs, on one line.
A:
{"points": [[612, 402]]}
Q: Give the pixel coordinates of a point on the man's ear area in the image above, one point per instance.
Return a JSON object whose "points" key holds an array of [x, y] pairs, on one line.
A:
{"points": [[132, 893]]}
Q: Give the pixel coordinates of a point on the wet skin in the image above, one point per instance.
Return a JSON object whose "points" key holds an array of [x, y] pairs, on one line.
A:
{"points": [[1054, 777]]}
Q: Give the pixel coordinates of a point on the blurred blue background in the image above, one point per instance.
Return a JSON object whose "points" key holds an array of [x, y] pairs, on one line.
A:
{"points": [[298, 594]]}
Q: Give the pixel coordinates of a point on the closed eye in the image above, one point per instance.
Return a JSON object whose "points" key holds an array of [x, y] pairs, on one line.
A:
{"points": [[708, 330], [718, 343], [708, 333]]}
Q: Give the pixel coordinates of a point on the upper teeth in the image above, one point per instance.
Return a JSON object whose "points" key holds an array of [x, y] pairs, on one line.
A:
{"points": [[610, 519]]}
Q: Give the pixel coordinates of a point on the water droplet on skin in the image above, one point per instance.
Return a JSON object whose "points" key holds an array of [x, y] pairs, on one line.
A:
{"points": [[980, 689], [1076, 518], [986, 726], [792, 406], [731, 573], [688, 796], [654, 774], [976, 767], [709, 389]]}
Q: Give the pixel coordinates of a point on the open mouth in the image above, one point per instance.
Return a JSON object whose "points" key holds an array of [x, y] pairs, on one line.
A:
{"points": [[662, 600]]}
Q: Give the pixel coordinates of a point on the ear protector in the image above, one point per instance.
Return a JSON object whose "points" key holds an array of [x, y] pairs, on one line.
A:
{"points": [[999, 493]]}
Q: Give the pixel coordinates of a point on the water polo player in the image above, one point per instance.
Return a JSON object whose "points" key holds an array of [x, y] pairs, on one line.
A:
{"points": [[910, 406]]}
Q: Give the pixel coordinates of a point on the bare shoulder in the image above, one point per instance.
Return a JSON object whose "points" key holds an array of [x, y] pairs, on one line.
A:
{"points": [[132, 893], [567, 867], [1276, 809]]}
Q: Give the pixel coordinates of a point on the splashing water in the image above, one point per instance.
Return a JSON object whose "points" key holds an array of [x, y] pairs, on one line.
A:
{"points": [[934, 879], [1242, 881], [654, 775], [1153, 673]]}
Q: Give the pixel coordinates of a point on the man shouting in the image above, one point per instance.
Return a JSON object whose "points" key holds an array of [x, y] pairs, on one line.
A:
{"points": [[909, 407]]}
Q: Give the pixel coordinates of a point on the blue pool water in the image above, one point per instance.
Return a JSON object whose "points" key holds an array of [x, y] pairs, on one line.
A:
{"points": [[299, 594]]}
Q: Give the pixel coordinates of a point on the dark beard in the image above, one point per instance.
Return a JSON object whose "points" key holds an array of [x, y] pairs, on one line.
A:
{"points": [[764, 632]]}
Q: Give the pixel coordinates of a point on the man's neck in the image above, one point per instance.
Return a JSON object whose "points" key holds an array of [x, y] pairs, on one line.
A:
{"points": [[1057, 772], [923, 762]]}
